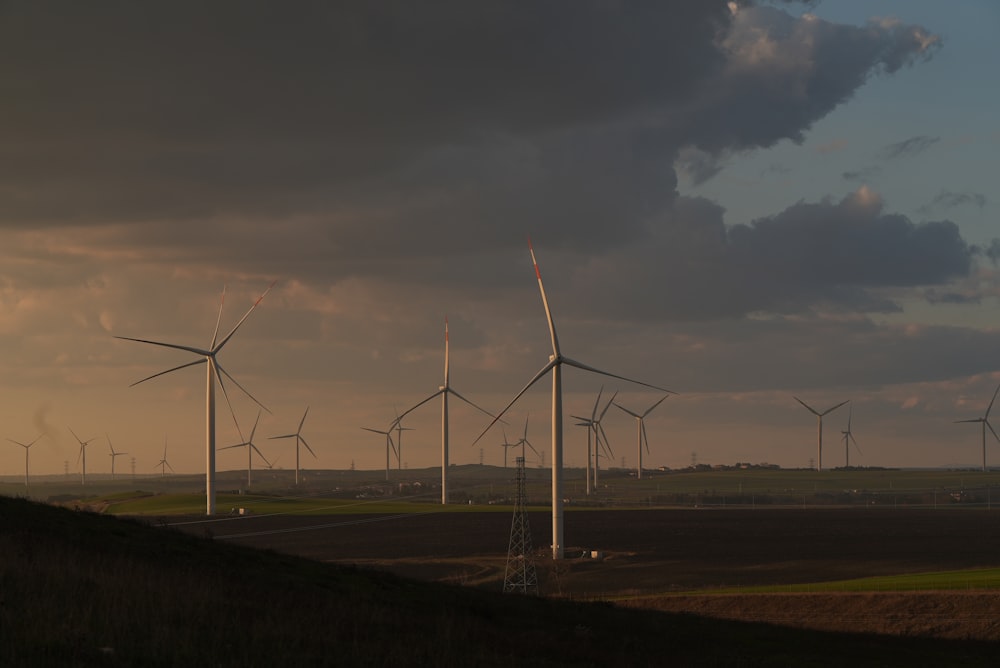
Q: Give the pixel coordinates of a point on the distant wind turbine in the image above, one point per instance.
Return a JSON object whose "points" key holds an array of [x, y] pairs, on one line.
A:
{"points": [[399, 440], [251, 448], [213, 370], [640, 431], [27, 449], [114, 455], [555, 364], [525, 442], [819, 428], [443, 391], [593, 424], [985, 420], [849, 438], [297, 435], [506, 445], [388, 444], [163, 463], [83, 454]]}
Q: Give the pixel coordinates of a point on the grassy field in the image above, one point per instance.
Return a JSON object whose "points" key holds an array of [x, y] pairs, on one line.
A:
{"points": [[84, 589]]}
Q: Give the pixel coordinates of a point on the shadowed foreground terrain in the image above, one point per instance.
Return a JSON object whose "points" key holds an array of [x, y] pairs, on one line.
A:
{"points": [[79, 589]]}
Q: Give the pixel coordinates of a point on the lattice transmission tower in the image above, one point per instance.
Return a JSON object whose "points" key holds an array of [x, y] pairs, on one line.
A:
{"points": [[520, 576]]}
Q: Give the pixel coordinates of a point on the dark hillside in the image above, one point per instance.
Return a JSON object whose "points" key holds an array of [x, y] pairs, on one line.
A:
{"points": [[80, 589]]}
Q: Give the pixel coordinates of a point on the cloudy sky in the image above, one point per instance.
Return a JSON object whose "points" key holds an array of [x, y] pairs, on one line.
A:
{"points": [[741, 202]]}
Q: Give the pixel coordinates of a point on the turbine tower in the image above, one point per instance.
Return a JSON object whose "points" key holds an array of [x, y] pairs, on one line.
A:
{"points": [[640, 432], [443, 391], [27, 449], [388, 444], [213, 370], [82, 456], [985, 420], [849, 438], [399, 441], [555, 364], [298, 439], [251, 448], [819, 428], [114, 455]]}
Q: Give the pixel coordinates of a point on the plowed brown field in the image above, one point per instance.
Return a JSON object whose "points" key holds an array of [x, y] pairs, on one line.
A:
{"points": [[658, 551]]}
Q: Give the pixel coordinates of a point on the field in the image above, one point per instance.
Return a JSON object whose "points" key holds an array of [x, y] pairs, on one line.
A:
{"points": [[896, 552]]}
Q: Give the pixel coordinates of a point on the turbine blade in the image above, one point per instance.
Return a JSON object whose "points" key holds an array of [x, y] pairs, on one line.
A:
{"points": [[225, 340], [545, 302], [650, 409], [973, 420], [537, 376], [229, 403], [377, 431], [271, 438], [218, 320], [604, 437], [610, 401], [635, 415], [808, 407], [585, 367], [237, 384], [645, 438], [533, 448], [855, 442], [416, 406], [303, 420], [163, 373], [991, 431], [991, 402], [190, 349], [307, 447], [597, 401], [830, 410], [479, 408]]}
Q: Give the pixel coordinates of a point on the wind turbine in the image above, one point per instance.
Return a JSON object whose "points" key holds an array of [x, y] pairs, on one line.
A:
{"points": [[388, 444], [298, 439], [819, 427], [555, 364], [849, 438], [640, 431], [444, 391], [251, 448], [213, 370], [114, 455], [525, 442], [83, 454], [506, 445], [27, 449], [163, 463], [986, 423], [399, 441], [593, 424]]}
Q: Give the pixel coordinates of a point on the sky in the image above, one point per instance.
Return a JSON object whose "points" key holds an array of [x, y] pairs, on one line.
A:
{"points": [[740, 202]]}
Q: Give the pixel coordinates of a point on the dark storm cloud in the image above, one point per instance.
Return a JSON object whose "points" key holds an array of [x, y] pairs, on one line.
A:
{"points": [[860, 175], [908, 147], [835, 256], [949, 200]]}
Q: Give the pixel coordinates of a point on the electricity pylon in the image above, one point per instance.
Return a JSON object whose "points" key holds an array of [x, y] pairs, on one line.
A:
{"points": [[520, 576]]}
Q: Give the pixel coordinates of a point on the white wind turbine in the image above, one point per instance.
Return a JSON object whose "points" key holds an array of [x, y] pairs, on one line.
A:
{"points": [[388, 444], [819, 427], [163, 463], [399, 440], [443, 391], [213, 370], [251, 448], [114, 455], [985, 420], [593, 424], [506, 445], [640, 431], [849, 438], [525, 442], [297, 435], [555, 364], [27, 449], [83, 454]]}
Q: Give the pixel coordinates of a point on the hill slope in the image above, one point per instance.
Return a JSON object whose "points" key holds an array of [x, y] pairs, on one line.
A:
{"points": [[80, 589]]}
